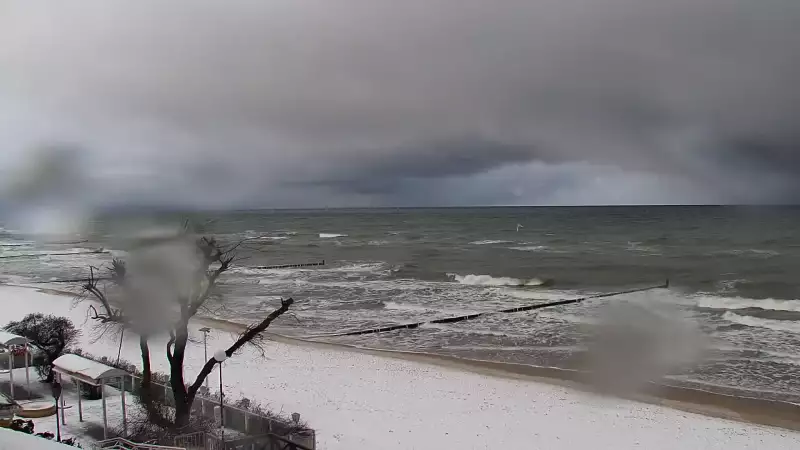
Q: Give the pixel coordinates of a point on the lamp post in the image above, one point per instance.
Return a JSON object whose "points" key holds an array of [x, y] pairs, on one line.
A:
{"points": [[205, 331], [56, 391], [220, 356]]}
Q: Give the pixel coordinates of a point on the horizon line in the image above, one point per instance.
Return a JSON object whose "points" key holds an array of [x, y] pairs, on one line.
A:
{"points": [[346, 208]]}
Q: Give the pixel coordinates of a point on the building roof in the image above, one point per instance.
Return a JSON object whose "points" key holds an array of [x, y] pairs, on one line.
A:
{"points": [[7, 339], [84, 369]]}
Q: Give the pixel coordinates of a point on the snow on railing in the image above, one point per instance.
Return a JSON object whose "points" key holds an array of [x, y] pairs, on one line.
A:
{"points": [[121, 443], [209, 441]]}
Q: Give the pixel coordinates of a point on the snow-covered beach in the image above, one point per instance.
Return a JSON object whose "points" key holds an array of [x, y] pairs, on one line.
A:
{"points": [[364, 400]]}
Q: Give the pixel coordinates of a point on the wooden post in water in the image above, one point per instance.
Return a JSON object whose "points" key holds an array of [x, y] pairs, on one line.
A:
{"points": [[292, 266]]}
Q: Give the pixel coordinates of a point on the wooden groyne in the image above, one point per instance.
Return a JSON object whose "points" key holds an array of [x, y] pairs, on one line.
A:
{"points": [[411, 326], [291, 266]]}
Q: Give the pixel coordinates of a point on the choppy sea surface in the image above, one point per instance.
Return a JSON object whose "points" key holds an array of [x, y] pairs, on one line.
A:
{"points": [[733, 274]]}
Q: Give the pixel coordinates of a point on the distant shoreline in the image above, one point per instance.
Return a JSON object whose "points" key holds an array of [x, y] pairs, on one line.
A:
{"points": [[743, 409]]}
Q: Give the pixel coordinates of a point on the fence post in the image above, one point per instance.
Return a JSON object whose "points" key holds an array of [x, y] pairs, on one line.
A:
{"points": [[246, 422]]}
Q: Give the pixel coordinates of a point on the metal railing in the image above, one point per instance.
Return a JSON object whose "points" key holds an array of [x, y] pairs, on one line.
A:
{"points": [[265, 431], [267, 441], [192, 440], [124, 444], [241, 420]]}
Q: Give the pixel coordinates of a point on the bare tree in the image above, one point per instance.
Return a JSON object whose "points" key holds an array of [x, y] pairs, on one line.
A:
{"points": [[159, 292]]}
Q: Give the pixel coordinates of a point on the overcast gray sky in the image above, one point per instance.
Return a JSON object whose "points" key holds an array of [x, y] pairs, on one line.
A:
{"points": [[307, 103]]}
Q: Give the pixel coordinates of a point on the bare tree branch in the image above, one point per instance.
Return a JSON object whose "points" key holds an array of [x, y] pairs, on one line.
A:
{"points": [[212, 253], [247, 336]]}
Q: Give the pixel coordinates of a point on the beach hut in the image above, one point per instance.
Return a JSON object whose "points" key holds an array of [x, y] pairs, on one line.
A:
{"points": [[95, 374], [12, 343]]}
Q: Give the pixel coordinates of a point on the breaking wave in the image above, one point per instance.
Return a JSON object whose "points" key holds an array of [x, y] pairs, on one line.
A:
{"points": [[750, 252], [488, 280], [15, 244], [777, 325], [745, 303], [641, 248], [759, 354], [331, 235], [489, 242], [530, 248]]}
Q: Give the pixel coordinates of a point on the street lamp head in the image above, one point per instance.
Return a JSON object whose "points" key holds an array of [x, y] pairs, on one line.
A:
{"points": [[220, 356], [205, 330], [55, 389]]}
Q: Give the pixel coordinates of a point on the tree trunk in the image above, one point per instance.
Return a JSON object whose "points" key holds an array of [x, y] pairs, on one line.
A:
{"points": [[183, 412], [147, 373], [149, 398], [183, 407], [51, 356]]}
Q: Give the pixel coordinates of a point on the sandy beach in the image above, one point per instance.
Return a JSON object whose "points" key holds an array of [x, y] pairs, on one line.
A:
{"points": [[727, 406], [357, 398]]}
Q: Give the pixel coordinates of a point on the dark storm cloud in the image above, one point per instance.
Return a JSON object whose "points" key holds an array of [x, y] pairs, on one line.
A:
{"points": [[388, 171], [366, 102]]}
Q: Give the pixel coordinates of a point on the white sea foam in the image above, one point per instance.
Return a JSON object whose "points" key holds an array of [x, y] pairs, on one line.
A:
{"points": [[770, 355], [15, 244], [517, 348], [359, 267], [331, 235], [530, 248], [639, 247], [782, 357], [777, 325], [469, 330], [750, 251], [489, 242], [488, 280], [544, 295], [744, 303], [570, 318], [408, 307], [485, 348]]}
